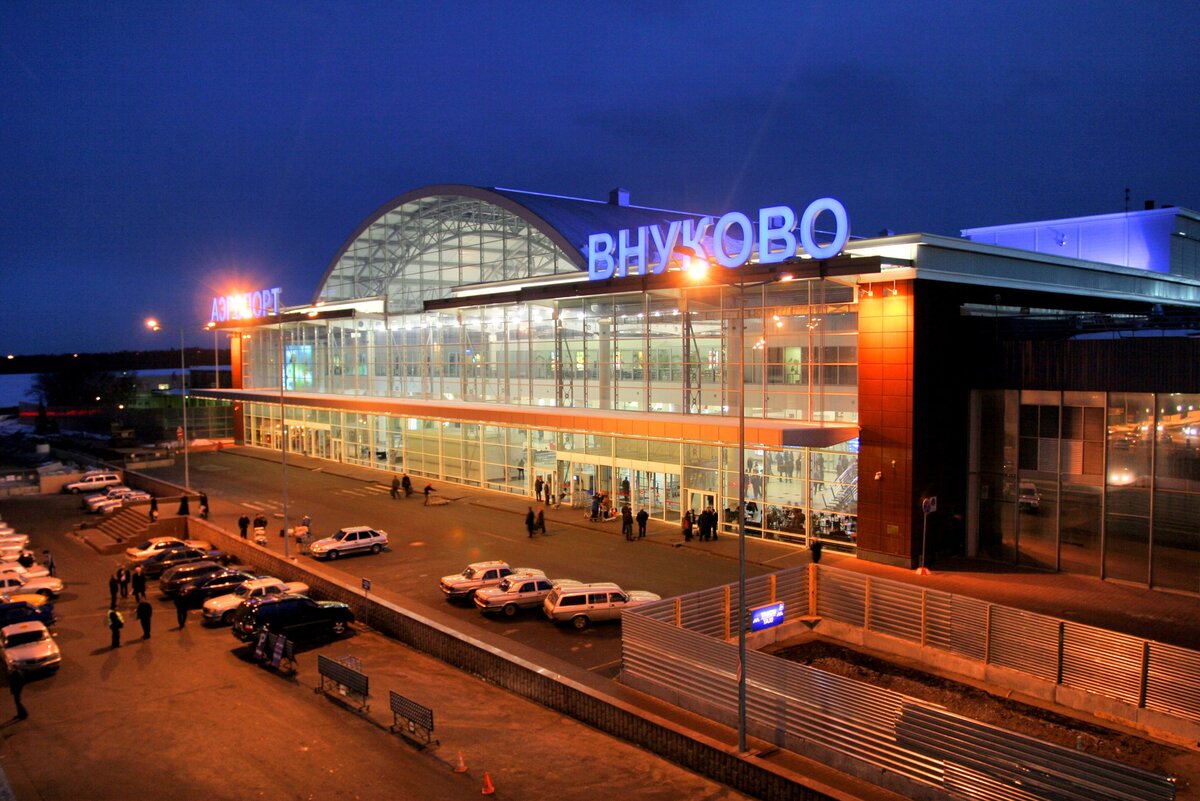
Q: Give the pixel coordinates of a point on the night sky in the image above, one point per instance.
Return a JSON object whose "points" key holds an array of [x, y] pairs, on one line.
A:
{"points": [[155, 154]]}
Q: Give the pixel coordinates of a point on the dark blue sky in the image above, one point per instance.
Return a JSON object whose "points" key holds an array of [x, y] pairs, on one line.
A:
{"points": [[153, 154]]}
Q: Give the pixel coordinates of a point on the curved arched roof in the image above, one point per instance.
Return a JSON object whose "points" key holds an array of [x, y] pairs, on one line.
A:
{"points": [[419, 245]]}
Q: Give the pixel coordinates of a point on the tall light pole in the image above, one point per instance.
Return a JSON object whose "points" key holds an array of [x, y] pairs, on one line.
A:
{"points": [[154, 325], [283, 439], [698, 271]]}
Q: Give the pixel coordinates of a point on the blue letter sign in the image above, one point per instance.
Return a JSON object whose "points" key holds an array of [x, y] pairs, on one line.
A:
{"points": [[764, 617], [731, 241]]}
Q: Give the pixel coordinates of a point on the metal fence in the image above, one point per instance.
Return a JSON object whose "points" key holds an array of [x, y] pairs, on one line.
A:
{"points": [[681, 650]]}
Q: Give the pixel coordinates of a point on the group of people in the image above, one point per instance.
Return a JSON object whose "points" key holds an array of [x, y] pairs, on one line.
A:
{"points": [[704, 525], [404, 484], [260, 522], [627, 518], [120, 582], [535, 522], [543, 490]]}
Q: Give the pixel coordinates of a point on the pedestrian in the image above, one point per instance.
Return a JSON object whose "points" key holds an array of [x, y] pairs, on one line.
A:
{"points": [[144, 612], [204, 506], [687, 526], [26, 559], [48, 561], [521, 467], [115, 624], [595, 507], [548, 490], [138, 580], [243, 524], [537, 488], [181, 610], [713, 524], [123, 580], [406, 485], [540, 521], [815, 547], [113, 587], [16, 683], [153, 513], [395, 487], [429, 490], [627, 522], [530, 521], [642, 517]]}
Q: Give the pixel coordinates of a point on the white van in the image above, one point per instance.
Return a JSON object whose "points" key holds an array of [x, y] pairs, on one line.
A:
{"points": [[583, 603], [93, 482]]}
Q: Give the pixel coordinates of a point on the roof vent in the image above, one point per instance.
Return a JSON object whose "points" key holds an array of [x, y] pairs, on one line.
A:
{"points": [[618, 197]]}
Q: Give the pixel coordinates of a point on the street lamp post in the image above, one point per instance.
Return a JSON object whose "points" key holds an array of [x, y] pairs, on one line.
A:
{"points": [[154, 325]]}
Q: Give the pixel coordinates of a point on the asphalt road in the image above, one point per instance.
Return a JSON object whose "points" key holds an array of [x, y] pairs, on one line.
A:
{"points": [[430, 542], [185, 716]]}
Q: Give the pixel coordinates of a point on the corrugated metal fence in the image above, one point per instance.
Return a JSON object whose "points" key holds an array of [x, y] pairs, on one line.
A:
{"points": [[682, 650]]}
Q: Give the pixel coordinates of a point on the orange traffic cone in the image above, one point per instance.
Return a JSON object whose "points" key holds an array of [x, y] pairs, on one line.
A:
{"points": [[488, 789], [461, 767]]}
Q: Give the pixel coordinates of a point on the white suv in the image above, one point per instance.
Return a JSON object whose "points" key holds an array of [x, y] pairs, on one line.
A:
{"points": [[221, 608], [356, 539]]}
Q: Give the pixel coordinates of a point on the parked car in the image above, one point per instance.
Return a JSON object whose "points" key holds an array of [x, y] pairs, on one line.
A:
{"points": [[151, 546], [1028, 496], [516, 592], [173, 579], [221, 608], [154, 566], [480, 574], [93, 482], [33, 571], [42, 585], [119, 501], [356, 539], [585, 603], [294, 616], [89, 502], [197, 591], [29, 647], [13, 538], [25, 607]]}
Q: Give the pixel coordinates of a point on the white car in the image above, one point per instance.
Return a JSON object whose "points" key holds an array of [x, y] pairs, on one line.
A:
{"points": [[34, 571], [517, 592], [11, 551], [90, 501], [481, 574], [109, 505], [93, 482], [221, 608], [13, 538], [355, 539], [42, 585], [142, 551], [29, 647]]}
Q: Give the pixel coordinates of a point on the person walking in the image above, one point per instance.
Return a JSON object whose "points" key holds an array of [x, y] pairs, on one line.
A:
{"points": [[530, 521], [115, 624], [627, 522], [204, 506], [243, 524], [687, 526], [153, 513], [48, 561], [16, 684], [406, 485], [429, 490], [642, 517], [181, 610], [144, 613], [540, 521], [123, 580], [395, 487], [138, 580], [113, 587], [537, 488]]}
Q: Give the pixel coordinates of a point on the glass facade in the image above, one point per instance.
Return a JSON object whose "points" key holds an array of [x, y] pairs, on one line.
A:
{"points": [[1104, 484]]}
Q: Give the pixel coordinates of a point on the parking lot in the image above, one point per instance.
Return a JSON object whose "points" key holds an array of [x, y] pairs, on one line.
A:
{"points": [[187, 715]]}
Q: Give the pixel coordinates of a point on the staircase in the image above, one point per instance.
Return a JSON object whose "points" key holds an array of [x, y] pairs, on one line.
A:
{"points": [[127, 524]]}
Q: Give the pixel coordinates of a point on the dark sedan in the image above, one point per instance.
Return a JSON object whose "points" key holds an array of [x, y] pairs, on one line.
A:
{"points": [[197, 591], [175, 578], [154, 566]]}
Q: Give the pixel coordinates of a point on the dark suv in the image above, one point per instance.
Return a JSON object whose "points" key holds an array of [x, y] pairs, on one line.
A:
{"points": [[294, 616], [154, 566], [173, 579]]}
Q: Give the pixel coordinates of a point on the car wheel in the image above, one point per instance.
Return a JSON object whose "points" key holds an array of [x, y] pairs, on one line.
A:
{"points": [[227, 618], [339, 627], [579, 621], [376, 548], [333, 554], [510, 610]]}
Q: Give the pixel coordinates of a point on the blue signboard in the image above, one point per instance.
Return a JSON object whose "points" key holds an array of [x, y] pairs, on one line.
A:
{"points": [[764, 617]]}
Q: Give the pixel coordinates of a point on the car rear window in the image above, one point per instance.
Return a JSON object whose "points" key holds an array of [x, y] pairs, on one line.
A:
{"points": [[574, 600]]}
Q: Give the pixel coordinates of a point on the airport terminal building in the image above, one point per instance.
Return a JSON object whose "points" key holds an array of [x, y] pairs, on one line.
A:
{"points": [[1028, 393]]}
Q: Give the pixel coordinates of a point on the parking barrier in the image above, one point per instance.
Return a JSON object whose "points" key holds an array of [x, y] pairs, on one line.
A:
{"points": [[418, 718], [341, 681]]}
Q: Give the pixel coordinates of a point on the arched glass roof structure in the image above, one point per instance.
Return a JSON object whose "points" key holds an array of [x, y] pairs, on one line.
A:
{"points": [[421, 244]]}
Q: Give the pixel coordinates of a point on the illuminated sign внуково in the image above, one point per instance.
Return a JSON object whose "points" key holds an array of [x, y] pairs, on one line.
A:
{"points": [[262, 303], [733, 241]]}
